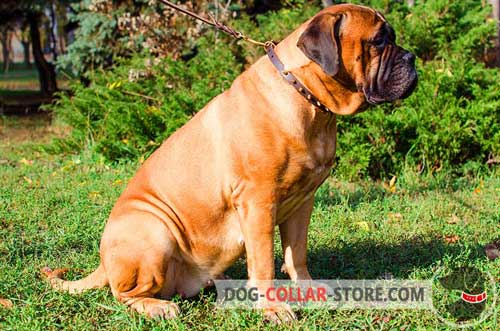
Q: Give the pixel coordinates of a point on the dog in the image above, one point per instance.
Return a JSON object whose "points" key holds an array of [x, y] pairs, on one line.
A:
{"points": [[249, 161]]}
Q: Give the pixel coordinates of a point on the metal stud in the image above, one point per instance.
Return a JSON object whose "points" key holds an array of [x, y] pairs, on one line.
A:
{"points": [[301, 89], [318, 103], [309, 97]]}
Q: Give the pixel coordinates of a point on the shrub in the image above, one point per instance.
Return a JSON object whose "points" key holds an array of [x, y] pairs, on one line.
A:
{"points": [[128, 111]]}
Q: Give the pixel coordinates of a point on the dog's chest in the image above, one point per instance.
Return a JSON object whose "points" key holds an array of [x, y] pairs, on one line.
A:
{"points": [[305, 173]]}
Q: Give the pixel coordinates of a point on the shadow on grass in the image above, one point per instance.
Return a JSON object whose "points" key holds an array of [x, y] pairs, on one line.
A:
{"points": [[372, 260], [329, 196], [366, 192]]}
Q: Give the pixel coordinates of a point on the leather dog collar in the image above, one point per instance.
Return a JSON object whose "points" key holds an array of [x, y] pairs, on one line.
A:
{"points": [[292, 80]]}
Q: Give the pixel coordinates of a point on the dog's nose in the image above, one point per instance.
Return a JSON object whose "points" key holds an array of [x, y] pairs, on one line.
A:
{"points": [[409, 58]]}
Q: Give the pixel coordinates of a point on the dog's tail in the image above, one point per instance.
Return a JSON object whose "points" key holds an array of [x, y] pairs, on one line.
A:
{"points": [[96, 279]]}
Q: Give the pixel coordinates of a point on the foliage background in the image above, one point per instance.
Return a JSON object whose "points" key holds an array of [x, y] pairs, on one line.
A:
{"points": [[135, 97]]}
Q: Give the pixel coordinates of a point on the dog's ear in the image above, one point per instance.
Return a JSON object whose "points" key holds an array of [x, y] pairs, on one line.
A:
{"points": [[319, 42]]}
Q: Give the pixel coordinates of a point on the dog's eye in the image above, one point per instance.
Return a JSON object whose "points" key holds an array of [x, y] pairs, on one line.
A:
{"points": [[378, 42]]}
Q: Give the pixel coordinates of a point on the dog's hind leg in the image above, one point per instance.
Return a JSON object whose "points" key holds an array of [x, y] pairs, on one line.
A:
{"points": [[136, 253]]}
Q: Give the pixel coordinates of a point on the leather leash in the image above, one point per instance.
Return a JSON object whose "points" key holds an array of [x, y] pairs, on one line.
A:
{"points": [[268, 46]]}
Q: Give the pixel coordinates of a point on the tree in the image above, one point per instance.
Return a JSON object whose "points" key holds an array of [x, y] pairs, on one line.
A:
{"points": [[326, 3], [30, 12], [109, 29], [496, 15], [6, 40], [24, 38], [52, 29], [46, 70]]}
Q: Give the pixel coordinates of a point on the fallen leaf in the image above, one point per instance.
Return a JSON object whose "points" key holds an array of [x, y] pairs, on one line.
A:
{"points": [[478, 189], [94, 194], [395, 216], [451, 239], [26, 162], [454, 219], [391, 186], [384, 319], [393, 181], [28, 180], [117, 182], [493, 250], [6, 303], [363, 226]]}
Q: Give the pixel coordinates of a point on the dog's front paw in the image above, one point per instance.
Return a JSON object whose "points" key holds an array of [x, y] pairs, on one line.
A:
{"points": [[158, 309], [279, 314]]}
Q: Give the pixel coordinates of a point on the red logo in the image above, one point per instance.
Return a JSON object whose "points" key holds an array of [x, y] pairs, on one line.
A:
{"points": [[474, 298]]}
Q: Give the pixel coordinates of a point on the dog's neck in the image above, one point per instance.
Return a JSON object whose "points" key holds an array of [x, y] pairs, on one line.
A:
{"points": [[341, 98], [339, 94]]}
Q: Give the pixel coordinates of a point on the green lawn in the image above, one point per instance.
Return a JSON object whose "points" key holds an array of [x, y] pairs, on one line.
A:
{"points": [[53, 209], [20, 81], [19, 78]]}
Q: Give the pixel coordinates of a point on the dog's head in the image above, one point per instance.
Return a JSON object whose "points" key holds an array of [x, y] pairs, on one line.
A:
{"points": [[355, 45]]}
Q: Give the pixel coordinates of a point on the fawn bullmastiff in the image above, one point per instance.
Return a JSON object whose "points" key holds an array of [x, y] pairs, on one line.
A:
{"points": [[249, 161]]}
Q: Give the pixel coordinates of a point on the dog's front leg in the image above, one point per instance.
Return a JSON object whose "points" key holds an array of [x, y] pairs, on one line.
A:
{"points": [[294, 242], [257, 215]]}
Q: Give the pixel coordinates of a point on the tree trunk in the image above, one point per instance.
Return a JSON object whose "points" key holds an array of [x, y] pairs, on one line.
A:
{"points": [[326, 3], [5, 48], [53, 31], [26, 51], [24, 38], [46, 71], [496, 8], [496, 16]]}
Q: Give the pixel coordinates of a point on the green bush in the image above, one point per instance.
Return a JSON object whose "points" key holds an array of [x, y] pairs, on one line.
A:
{"points": [[128, 111], [451, 121]]}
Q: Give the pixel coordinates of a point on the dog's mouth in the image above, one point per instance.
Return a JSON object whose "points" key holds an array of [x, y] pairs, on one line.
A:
{"points": [[394, 79], [372, 99], [376, 99]]}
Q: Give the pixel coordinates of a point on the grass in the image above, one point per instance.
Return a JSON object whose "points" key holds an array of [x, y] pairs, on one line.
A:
{"points": [[20, 81], [53, 209], [19, 78]]}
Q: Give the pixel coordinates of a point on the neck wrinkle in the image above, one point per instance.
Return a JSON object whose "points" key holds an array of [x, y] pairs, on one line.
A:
{"points": [[340, 99]]}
